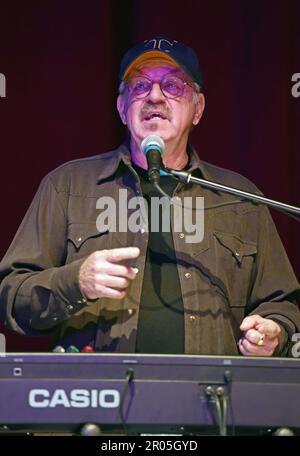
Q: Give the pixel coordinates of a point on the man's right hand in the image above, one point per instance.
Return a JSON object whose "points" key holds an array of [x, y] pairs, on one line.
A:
{"points": [[102, 276]]}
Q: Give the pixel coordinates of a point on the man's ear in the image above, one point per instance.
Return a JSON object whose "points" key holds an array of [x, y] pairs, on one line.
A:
{"points": [[200, 105], [121, 108]]}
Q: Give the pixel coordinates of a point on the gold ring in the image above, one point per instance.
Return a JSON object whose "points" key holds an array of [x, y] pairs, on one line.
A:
{"points": [[261, 340]]}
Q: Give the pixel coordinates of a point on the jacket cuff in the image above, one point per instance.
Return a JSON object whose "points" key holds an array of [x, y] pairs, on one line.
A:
{"points": [[65, 289]]}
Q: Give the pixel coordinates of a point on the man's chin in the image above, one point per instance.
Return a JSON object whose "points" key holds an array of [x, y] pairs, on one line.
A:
{"points": [[155, 128]]}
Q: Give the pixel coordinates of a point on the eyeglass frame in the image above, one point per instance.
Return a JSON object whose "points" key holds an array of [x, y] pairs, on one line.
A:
{"points": [[191, 84]]}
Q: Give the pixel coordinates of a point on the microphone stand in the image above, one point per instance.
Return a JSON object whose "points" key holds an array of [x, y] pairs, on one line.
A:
{"points": [[187, 178]]}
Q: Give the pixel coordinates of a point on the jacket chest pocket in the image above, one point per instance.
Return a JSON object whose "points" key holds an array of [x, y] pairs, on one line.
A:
{"points": [[85, 238], [235, 265]]}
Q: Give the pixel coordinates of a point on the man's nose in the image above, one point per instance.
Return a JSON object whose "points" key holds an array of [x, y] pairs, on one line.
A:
{"points": [[155, 94]]}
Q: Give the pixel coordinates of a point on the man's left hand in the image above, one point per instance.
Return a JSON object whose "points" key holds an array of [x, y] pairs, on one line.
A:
{"points": [[261, 336]]}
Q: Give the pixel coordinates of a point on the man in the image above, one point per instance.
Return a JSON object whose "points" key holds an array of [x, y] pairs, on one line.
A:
{"points": [[126, 290]]}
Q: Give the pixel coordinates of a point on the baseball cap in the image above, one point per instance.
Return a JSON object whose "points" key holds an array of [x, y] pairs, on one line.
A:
{"points": [[167, 49]]}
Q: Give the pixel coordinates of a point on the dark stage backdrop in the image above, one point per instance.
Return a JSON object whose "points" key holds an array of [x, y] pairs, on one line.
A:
{"points": [[60, 60]]}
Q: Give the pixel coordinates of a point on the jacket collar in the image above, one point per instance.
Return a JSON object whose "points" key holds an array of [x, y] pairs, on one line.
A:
{"points": [[112, 160], [196, 164]]}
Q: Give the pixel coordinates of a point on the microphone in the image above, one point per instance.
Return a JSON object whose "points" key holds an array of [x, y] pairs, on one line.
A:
{"points": [[153, 147]]}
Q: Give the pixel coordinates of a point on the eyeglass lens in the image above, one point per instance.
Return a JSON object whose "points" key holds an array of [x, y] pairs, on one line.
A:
{"points": [[171, 86]]}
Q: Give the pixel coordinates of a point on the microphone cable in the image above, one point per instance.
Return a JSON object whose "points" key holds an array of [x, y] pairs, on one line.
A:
{"points": [[214, 206], [128, 379]]}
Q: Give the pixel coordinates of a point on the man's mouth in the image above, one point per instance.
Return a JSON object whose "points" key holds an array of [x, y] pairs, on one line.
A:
{"points": [[154, 115]]}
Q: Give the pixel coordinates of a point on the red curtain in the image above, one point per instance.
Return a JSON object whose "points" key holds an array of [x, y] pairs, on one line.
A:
{"points": [[60, 61]]}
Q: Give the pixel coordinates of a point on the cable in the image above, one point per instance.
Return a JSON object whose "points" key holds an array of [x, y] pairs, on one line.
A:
{"points": [[226, 203], [160, 190], [225, 411], [128, 379], [214, 206], [220, 402], [215, 407], [218, 405], [228, 383]]}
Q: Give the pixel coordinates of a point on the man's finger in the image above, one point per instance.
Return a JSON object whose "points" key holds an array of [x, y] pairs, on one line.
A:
{"points": [[269, 328], [253, 336], [107, 292], [123, 253], [251, 322], [111, 281], [249, 349], [119, 270]]}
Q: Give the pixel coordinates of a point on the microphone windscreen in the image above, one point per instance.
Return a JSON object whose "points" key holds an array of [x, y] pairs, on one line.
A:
{"points": [[152, 142]]}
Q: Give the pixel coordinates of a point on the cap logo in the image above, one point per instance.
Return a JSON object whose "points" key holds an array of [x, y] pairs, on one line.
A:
{"points": [[159, 43]]}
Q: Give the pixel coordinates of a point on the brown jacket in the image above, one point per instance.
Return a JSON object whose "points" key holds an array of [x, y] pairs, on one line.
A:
{"points": [[239, 268]]}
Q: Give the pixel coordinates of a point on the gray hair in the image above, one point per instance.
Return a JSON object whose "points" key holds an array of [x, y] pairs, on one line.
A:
{"points": [[197, 92], [122, 87]]}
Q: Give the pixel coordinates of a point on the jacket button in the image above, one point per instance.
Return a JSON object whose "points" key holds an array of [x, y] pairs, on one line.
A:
{"points": [[181, 235], [79, 239], [70, 307], [188, 275], [130, 311], [142, 230], [192, 317], [237, 254]]}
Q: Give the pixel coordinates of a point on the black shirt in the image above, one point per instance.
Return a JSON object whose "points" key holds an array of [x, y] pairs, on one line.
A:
{"points": [[161, 316]]}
